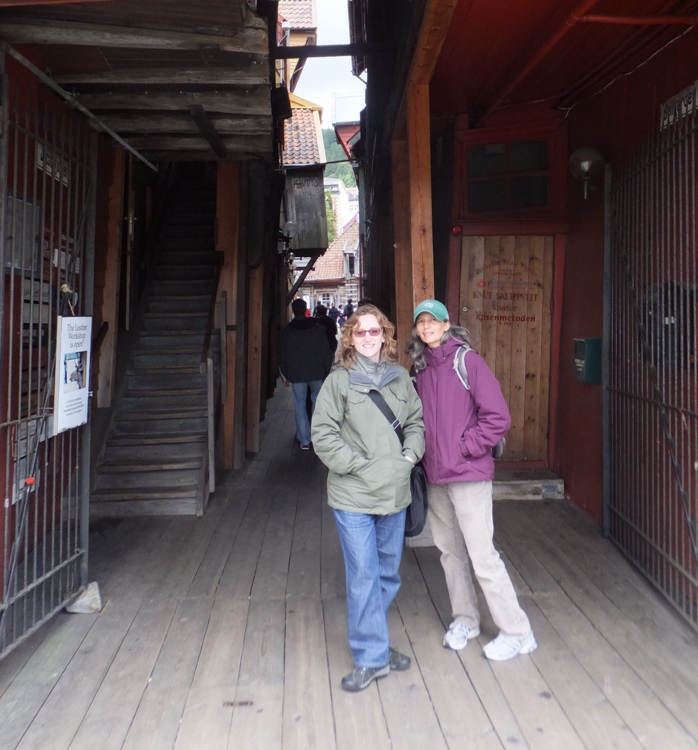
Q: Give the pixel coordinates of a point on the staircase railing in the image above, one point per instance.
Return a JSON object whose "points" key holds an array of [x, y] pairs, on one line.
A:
{"points": [[214, 368]]}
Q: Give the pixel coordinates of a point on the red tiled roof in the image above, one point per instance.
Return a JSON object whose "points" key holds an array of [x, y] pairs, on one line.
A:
{"points": [[331, 264], [301, 147], [299, 13]]}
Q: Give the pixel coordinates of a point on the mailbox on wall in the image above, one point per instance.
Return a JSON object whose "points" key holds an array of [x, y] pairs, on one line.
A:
{"points": [[587, 360]]}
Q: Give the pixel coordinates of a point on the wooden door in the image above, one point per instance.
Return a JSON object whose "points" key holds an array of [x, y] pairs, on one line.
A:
{"points": [[506, 296]]}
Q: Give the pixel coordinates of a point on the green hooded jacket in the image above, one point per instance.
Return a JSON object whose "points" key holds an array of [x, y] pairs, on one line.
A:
{"points": [[368, 470]]}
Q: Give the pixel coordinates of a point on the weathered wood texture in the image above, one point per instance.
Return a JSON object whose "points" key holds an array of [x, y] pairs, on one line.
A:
{"points": [[228, 242], [419, 147], [507, 289], [229, 631]]}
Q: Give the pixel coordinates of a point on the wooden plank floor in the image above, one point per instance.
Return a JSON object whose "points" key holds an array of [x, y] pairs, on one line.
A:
{"points": [[229, 632]]}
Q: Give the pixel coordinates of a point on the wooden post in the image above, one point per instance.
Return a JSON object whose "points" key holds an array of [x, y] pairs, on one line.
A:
{"points": [[419, 145], [111, 270], [227, 241], [255, 334], [403, 251]]}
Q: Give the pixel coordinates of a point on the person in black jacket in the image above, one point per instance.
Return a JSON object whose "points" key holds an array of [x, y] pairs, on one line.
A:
{"points": [[328, 324], [305, 359]]}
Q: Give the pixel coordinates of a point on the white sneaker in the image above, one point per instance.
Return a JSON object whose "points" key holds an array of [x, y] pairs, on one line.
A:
{"points": [[458, 635], [505, 647]]}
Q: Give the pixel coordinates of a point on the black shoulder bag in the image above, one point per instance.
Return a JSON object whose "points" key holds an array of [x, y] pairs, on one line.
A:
{"points": [[416, 515]]}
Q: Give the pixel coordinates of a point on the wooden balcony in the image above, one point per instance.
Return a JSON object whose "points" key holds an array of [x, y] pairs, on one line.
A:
{"points": [[229, 631]]}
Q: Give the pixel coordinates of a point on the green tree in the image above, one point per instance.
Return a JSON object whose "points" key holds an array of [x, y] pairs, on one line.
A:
{"points": [[331, 219], [338, 165]]}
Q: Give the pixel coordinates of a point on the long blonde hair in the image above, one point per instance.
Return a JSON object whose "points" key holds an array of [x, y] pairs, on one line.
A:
{"points": [[347, 351]]}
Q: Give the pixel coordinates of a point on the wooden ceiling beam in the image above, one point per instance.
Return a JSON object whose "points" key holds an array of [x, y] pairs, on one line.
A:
{"points": [[208, 130], [435, 25], [325, 50], [19, 30], [255, 75], [162, 142], [222, 102], [175, 122]]}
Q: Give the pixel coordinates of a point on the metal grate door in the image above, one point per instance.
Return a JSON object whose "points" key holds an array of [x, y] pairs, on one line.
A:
{"points": [[651, 401], [46, 225]]}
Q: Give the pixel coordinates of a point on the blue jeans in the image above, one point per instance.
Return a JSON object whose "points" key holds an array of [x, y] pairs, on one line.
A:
{"points": [[300, 391], [372, 547]]}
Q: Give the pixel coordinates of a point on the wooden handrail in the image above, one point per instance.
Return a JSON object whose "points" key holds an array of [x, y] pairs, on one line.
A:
{"points": [[211, 314]]}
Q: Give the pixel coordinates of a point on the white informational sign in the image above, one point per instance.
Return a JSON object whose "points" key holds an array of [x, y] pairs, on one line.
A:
{"points": [[681, 105], [72, 373]]}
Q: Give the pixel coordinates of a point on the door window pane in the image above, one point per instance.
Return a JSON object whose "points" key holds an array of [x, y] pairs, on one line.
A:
{"points": [[486, 160]]}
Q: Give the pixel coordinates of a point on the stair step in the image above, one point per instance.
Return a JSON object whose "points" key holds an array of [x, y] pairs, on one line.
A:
{"points": [[167, 361], [163, 438], [184, 251], [134, 466], [198, 304], [175, 383], [143, 493], [169, 339], [188, 271], [109, 477], [183, 287], [175, 321], [149, 391], [188, 245], [158, 425], [154, 452], [176, 368], [145, 501]]}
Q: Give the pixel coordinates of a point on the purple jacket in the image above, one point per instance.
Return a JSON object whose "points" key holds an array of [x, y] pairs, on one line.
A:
{"points": [[461, 426]]}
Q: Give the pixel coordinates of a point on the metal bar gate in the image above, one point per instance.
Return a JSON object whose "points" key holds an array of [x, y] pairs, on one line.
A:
{"points": [[47, 157], [651, 375]]}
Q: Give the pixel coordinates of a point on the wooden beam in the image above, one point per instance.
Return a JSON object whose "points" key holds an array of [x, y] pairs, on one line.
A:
{"points": [[254, 102], [19, 3], [325, 50], [241, 144], [419, 145], [404, 299], [233, 75], [414, 255], [178, 123], [435, 25], [255, 341], [227, 241], [18, 29], [208, 130], [109, 236]]}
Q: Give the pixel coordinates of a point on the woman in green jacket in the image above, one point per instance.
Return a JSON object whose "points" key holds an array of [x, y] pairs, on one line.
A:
{"points": [[368, 485]]}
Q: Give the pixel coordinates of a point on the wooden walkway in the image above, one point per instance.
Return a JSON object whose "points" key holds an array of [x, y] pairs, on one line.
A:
{"points": [[229, 632]]}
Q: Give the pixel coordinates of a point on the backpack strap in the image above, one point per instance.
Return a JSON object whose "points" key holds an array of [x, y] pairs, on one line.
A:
{"points": [[459, 365]]}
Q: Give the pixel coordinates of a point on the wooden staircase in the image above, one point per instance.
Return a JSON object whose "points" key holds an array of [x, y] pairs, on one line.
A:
{"points": [[155, 459]]}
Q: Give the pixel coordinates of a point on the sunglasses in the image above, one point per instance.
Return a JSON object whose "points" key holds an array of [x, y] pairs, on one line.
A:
{"points": [[373, 332]]}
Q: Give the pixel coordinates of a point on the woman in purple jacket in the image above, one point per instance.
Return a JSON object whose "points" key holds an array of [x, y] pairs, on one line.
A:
{"points": [[462, 424]]}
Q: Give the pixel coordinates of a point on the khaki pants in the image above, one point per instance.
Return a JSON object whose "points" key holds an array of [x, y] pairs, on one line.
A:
{"points": [[460, 514]]}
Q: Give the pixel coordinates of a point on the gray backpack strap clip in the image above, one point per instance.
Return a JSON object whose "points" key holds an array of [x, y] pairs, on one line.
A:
{"points": [[459, 365]]}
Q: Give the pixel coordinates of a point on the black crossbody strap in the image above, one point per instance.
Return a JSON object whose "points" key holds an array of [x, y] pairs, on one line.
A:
{"points": [[387, 412]]}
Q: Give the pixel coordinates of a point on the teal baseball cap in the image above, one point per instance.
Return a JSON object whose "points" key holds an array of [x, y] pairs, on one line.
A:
{"points": [[432, 306]]}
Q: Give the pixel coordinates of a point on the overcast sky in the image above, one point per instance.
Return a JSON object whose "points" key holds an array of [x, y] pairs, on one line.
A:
{"points": [[326, 76]]}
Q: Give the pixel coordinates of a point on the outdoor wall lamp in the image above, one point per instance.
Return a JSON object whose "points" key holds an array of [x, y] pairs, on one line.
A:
{"points": [[585, 163]]}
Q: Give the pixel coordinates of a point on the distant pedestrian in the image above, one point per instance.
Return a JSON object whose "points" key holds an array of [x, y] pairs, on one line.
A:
{"points": [[305, 359], [348, 309], [328, 324], [333, 313]]}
